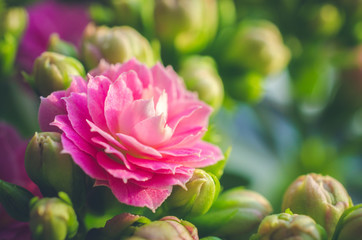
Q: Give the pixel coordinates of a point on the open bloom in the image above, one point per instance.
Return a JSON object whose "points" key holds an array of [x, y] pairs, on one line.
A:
{"points": [[134, 129]]}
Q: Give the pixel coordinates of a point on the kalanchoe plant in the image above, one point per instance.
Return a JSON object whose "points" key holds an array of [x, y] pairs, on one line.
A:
{"points": [[236, 214], [200, 193], [288, 226], [321, 197], [115, 45], [53, 218], [53, 71]]}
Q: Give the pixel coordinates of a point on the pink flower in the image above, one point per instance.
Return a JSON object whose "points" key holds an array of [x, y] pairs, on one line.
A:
{"points": [[134, 129], [45, 18], [12, 169]]}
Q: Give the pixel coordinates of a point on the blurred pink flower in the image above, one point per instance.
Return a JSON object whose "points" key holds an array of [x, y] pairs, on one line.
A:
{"points": [[134, 129], [12, 169], [45, 18]]}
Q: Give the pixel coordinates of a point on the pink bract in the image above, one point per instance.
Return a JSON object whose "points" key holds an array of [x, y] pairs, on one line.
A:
{"points": [[134, 129]]}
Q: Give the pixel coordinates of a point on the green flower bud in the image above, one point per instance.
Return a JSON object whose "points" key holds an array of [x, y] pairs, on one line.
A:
{"points": [[324, 20], [15, 200], [119, 226], [53, 218], [321, 197], [258, 46], [187, 25], [167, 228], [57, 45], [14, 21], [286, 226], [349, 225], [53, 71], [8, 49], [128, 12], [248, 88], [200, 75], [115, 45], [236, 214], [202, 190], [52, 170]]}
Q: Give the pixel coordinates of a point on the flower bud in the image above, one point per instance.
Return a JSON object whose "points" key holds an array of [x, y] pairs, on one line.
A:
{"points": [[168, 228], [202, 190], [8, 49], [324, 20], [15, 200], [53, 71], [236, 214], [128, 12], [321, 197], [200, 75], [115, 45], [285, 226], [248, 88], [258, 46], [188, 25], [14, 21], [57, 45], [349, 225], [53, 218], [117, 227], [52, 170]]}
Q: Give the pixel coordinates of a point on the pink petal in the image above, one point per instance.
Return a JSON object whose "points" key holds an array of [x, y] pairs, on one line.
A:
{"points": [[117, 170], [153, 165], [133, 83], [78, 114], [97, 93], [135, 195], [184, 139], [143, 73], [135, 112], [50, 107], [152, 131], [136, 148], [165, 180], [163, 80], [86, 162], [118, 98], [63, 123], [78, 85], [106, 137]]}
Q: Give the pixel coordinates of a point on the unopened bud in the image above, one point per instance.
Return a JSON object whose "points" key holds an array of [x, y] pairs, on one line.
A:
{"points": [[285, 226], [167, 228], [321, 197], [57, 45], [349, 225], [188, 25], [236, 214], [115, 45], [202, 190], [14, 21], [200, 75], [258, 46], [53, 72], [248, 88], [53, 218], [52, 170]]}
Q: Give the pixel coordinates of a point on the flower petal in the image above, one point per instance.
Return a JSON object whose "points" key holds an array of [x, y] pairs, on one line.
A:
{"points": [[97, 93], [118, 98], [135, 195], [50, 107], [86, 162], [136, 148]]}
